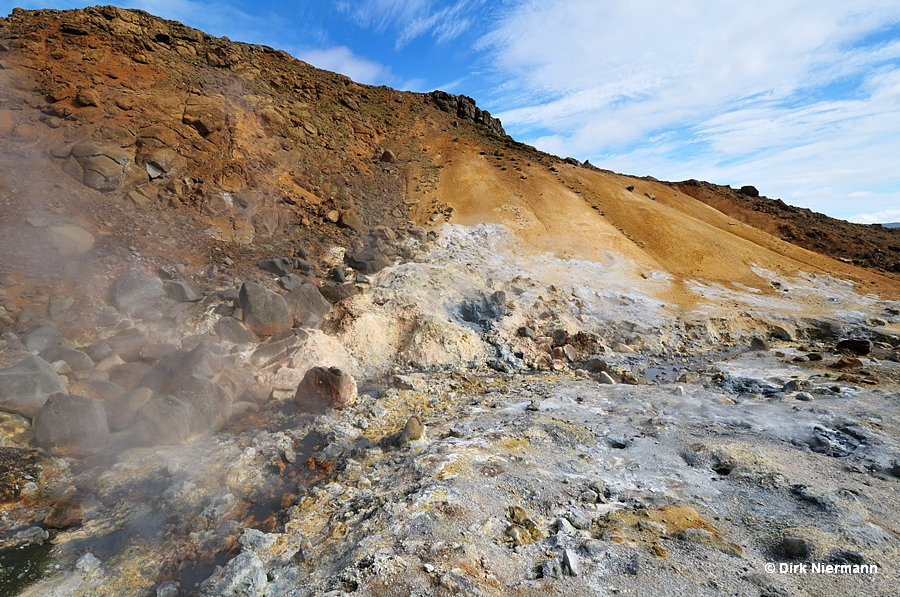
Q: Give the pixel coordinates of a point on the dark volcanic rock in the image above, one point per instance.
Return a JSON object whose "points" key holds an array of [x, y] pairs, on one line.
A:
{"points": [[198, 407], [264, 311], [71, 425], [174, 370], [464, 107], [306, 301], [857, 347], [25, 387], [749, 191], [324, 388], [181, 291], [232, 330]]}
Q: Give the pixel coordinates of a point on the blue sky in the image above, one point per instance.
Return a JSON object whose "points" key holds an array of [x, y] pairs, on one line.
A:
{"points": [[799, 98]]}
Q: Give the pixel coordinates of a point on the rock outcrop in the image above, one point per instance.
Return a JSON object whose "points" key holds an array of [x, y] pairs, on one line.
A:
{"points": [[464, 107]]}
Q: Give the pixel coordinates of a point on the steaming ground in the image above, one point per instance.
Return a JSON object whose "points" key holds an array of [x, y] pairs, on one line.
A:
{"points": [[569, 381], [532, 477]]}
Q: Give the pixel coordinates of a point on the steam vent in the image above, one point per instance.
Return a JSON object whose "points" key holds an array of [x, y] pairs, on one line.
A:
{"points": [[266, 331]]}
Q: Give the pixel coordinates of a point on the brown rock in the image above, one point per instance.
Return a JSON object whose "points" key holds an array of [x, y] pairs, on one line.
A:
{"points": [[413, 431], [324, 388], [69, 512], [88, 97], [847, 362]]}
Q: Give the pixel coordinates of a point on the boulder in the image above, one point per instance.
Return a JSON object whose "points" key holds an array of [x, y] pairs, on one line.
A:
{"points": [[181, 291], [41, 338], [198, 407], [167, 376], [71, 425], [749, 191], [75, 359], [264, 311], [306, 301], [135, 289], [324, 388], [25, 387], [855, 346], [129, 375], [210, 404], [163, 419], [232, 330], [70, 241], [335, 293], [98, 389], [121, 411]]}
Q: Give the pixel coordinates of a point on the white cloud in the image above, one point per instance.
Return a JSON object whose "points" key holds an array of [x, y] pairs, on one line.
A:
{"points": [[781, 95], [341, 59], [886, 216], [413, 18]]}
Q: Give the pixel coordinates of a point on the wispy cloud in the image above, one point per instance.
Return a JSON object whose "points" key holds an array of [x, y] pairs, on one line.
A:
{"points": [[888, 215], [411, 19], [800, 97], [341, 59]]}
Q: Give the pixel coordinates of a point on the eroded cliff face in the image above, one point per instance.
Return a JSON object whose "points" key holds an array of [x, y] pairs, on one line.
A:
{"points": [[269, 331]]}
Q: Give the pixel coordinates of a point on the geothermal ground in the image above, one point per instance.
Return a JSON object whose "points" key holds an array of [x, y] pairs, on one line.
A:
{"points": [[266, 331]]}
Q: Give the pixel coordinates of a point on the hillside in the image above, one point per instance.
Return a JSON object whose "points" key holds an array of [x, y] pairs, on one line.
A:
{"points": [[265, 330]]}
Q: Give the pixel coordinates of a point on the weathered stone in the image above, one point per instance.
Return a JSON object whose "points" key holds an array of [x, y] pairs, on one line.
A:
{"points": [[69, 241], [40, 339], [163, 419], [306, 301], [59, 307], [244, 575], [128, 344], [605, 378], [232, 330], [264, 311], [76, 359], [88, 97], [171, 372], [847, 362], [68, 512], [413, 431], [181, 291], [121, 411], [135, 289], [350, 219], [759, 344], [25, 387], [794, 548], [324, 388], [857, 347], [749, 191], [210, 404], [98, 389], [71, 425], [129, 375]]}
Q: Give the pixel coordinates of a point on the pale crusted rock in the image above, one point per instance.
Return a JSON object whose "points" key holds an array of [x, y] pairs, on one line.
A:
{"points": [[25, 387]]}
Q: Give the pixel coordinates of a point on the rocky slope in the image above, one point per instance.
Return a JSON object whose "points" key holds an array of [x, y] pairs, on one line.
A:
{"points": [[868, 245], [266, 331]]}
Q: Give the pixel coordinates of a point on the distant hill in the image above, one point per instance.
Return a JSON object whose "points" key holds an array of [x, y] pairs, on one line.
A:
{"points": [[892, 225]]}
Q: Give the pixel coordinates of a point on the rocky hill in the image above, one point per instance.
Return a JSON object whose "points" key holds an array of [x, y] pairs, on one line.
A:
{"points": [[874, 246], [267, 331]]}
